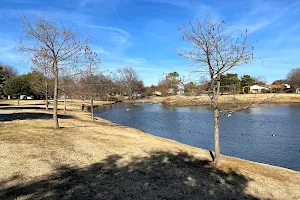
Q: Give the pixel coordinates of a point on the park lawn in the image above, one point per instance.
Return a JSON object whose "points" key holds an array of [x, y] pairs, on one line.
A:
{"points": [[245, 99], [104, 160]]}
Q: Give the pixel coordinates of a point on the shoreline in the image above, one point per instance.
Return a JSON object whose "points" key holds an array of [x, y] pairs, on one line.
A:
{"points": [[81, 143], [239, 99], [203, 100], [212, 135]]}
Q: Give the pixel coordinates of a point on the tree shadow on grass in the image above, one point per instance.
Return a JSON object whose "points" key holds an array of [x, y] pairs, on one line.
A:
{"points": [[162, 175], [37, 104], [27, 116], [24, 107], [4, 104]]}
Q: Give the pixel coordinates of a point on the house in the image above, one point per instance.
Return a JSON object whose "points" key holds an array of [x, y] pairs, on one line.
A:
{"points": [[286, 86], [256, 89], [136, 95], [180, 89], [275, 88], [280, 88], [170, 91], [157, 93]]}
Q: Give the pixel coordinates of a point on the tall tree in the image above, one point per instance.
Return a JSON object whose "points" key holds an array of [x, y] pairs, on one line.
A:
{"points": [[246, 82], [35, 79], [128, 79], [6, 72], [43, 66], [293, 77], [66, 86], [279, 82], [260, 80], [215, 51], [172, 80], [9, 71], [44, 40], [2, 79], [91, 63], [230, 83], [17, 86]]}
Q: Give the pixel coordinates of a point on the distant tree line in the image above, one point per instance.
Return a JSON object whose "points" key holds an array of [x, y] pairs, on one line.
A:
{"points": [[230, 83], [6, 73], [105, 85], [124, 82]]}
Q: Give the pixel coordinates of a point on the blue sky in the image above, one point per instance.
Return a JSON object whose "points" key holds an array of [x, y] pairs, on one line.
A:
{"points": [[143, 33]]}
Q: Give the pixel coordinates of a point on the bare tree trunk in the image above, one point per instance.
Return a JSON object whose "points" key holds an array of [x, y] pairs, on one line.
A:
{"points": [[47, 103], [130, 94], [216, 138], [92, 108], [65, 104], [55, 118], [216, 93], [46, 98]]}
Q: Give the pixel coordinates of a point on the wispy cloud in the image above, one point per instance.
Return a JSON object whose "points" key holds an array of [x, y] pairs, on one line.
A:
{"points": [[108, 28], [83, 3], [117, 36], [117, 14], [101, 51], [142, 33], [182, 3], [251, 26], [135, 60], [9, 55], [262, 14], [22, 1]]}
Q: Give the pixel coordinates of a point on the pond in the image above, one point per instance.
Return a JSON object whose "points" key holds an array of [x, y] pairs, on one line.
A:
{"points": [[246, 135]]}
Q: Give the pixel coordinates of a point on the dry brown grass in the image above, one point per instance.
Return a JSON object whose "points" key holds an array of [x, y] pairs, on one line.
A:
{"points": [[239, 98], [151, 99], [72, 104], [103, 160]]}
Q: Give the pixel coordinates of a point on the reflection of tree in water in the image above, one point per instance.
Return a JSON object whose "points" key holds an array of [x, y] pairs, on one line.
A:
{"points": [[162, 175]]}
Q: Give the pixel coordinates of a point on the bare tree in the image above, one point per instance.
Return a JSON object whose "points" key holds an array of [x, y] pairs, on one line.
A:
{"points": [[128, 79], [215, 51], [10, 71], [293, 77], [57, 44], [66, 85], [91, 62], [43, 65], [260, 80]]}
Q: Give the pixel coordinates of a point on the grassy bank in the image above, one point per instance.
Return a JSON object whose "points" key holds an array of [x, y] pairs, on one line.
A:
{"points": [[103, 160], [238, 99], [71, 104], [150, 100]]}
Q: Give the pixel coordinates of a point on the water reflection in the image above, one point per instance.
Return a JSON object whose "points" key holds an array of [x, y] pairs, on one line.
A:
{"points": [[247, 134]]}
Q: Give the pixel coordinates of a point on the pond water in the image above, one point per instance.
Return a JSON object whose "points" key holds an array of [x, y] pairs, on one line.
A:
{"points": [[246, 135]]}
